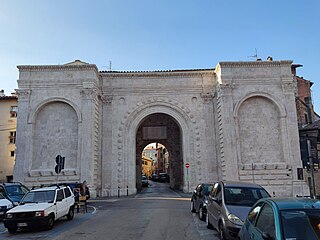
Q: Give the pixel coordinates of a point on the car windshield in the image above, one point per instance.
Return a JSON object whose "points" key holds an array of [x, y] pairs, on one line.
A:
{"points": [[243, 196], [144, 178], [207, 189], [301, 224], [38, 197], [15, 190]]}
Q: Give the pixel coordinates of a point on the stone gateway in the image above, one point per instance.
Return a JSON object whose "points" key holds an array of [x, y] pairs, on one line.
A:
{"points": [[235, 122]]}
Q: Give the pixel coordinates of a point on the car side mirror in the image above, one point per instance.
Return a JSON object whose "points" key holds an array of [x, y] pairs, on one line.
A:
{"points": [[266, 236]]}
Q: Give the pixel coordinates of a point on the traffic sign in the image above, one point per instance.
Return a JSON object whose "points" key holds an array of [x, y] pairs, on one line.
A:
{"points": [[60, 164], [187, 165]]}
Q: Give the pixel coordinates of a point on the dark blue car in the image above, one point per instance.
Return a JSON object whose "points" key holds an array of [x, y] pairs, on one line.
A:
{"points": [[13, 191]]}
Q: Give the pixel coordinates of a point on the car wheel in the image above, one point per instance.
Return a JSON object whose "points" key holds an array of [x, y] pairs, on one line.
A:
{"points": [[12, 229], [70, 214], [221, 232], [192, 207], [50, 222], [202, 216], [209, 225]]}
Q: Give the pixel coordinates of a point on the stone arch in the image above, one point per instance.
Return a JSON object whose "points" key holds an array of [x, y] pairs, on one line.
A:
{"points": [[172, 141], [275, 101], [258, 142], [61, 138], [129, 127], [33, 114]]}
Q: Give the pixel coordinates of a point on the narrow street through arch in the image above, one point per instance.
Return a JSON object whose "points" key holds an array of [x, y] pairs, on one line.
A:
{"points": [[162, 128]]}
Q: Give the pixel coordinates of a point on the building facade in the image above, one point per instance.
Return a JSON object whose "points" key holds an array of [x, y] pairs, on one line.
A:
{"points": [[8, 121], [147, 166], [235, 122]]}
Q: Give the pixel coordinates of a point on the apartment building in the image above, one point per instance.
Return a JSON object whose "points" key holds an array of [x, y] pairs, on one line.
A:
{"points": [[8, 117]]}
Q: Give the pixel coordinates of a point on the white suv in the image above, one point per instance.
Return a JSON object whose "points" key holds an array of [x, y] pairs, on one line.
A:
{"points": [[5, 205], [40, 208]]}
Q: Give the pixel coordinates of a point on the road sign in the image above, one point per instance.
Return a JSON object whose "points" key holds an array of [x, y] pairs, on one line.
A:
{"points": [[187, 165], [60, 164]]}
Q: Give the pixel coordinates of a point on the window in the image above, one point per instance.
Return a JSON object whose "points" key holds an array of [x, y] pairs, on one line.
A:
{"points": [[306, 118], [11, 153], [60, 195], [265, 222], [301, 224], [12, 137], [13, 111], [254, 212], [67, 192]]}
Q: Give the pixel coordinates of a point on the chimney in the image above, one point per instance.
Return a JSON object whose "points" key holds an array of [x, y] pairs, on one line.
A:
{"points": [[269, 59]]}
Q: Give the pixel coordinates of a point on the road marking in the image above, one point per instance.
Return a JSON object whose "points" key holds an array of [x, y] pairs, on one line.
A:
{"points": [[164, 198], [103, 200], [94, 209]]}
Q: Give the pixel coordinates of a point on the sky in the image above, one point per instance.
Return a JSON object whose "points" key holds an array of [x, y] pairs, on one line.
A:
{"points": [[158, 34]]}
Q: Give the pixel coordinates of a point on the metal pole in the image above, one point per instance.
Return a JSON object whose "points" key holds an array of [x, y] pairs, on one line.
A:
{"points": [[313, 193], [188, 178], [252, 167]]}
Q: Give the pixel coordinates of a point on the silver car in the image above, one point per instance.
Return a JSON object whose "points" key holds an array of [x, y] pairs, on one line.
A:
{"points": [[229, 204]]}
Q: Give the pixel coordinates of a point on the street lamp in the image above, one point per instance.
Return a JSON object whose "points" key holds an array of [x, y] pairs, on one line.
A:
{"points": [[313, 193]]}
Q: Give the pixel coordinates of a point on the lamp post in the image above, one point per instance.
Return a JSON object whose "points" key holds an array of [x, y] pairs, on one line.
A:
{"points": [[313, 193]]}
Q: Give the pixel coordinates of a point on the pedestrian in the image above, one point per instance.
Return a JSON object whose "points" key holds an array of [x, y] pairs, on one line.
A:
{"points": [[84, 191]]}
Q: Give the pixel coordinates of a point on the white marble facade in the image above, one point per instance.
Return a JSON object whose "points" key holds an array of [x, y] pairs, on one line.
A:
{"points": [[237, 122]]}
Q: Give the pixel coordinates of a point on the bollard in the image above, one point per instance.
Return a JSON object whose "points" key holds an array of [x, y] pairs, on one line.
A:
{"points": [[127, 190], [118, 192]]}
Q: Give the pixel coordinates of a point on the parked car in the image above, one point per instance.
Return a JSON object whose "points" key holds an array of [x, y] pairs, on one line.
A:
{"points": [[229, 204], [40, 208], [13, 191], [199, 199], [286, 218], [163, 177], [144, 181], [5, 205], [155, 177]]}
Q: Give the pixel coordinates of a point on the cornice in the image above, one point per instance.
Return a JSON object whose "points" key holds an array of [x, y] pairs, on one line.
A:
{"points": [[255, 64], [42, 68], [158, 74]]}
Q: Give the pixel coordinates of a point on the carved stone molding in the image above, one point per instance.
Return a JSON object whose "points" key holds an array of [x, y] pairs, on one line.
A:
{"points": [[89, 93], [207, 97], [288, 87], [23, 94], [226, 86], [107, 99]]}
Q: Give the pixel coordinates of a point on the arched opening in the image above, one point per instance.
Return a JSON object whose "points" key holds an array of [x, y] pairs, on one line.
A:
{"points": [[61, 138], [155, 162], [164, 132]]}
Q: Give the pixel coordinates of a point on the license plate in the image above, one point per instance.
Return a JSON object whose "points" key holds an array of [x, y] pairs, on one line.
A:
{"points": [[22, 224]]}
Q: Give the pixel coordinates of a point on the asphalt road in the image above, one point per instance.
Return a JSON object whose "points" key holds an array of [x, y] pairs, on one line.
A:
{"points": [[157, 213]]}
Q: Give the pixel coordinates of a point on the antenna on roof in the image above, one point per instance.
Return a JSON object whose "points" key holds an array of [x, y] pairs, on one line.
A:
{"points": [[255, 56], [110, 68]]}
